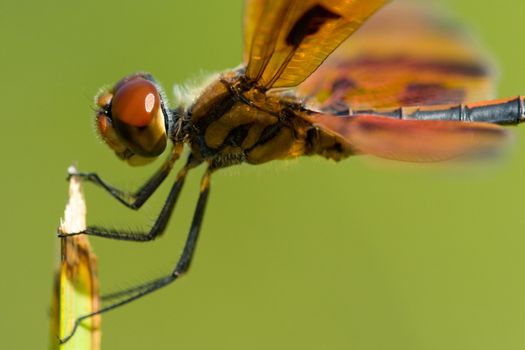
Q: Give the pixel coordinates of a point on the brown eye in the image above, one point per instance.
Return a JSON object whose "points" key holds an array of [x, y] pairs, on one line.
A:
{"points": [[136, 102]]}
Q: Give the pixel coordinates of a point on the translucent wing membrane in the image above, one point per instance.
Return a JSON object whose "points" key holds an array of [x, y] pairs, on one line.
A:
{"points": [[405, 55], [286, 40], [414, 140]]}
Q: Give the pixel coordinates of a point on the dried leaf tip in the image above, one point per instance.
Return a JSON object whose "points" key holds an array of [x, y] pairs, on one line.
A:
{"points": [[76, 291]]}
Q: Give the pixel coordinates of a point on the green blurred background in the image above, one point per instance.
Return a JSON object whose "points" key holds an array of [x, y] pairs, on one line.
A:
{"points": [[306, 254]]}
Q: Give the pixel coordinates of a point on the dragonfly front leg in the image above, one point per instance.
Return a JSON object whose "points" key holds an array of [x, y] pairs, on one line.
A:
{"points": [[183, 264], [135, 200], [159, 225]]}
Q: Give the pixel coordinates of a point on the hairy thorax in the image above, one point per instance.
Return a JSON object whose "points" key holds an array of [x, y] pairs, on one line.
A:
{"points": [[230, 124]]}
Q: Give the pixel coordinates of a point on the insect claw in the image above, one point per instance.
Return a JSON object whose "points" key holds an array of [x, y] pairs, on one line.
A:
{"points": [[64, 340], [62, 234], [71, 171]]}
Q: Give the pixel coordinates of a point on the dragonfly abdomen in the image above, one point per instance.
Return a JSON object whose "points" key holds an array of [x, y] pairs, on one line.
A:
{"points": [[503, 112]]}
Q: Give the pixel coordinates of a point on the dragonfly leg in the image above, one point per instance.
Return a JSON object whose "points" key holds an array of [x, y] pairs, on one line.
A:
{"points": [[191, 241], [182, 266], [135, 200], [158, 226]]}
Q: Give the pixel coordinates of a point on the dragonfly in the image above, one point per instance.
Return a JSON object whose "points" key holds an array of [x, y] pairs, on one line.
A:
{"points": [[408, 86]]}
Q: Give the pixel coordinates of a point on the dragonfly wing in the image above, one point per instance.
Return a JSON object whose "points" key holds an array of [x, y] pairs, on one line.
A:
{"points": [[286, 40], [406, 55], [413, 140]]}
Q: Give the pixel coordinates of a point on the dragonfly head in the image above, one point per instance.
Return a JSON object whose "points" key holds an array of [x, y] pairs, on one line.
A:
{"points": [[132, 119]]}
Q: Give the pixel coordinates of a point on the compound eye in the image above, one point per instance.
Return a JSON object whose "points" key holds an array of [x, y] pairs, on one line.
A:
{"points": [[136, 102]]}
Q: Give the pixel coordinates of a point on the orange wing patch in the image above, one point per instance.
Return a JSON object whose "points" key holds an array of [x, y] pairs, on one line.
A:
{"points": [[406, 55], [414, 140], [286, 40]]}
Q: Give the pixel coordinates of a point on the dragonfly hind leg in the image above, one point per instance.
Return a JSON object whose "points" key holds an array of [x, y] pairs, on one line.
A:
{"points": [[181, 267]]}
